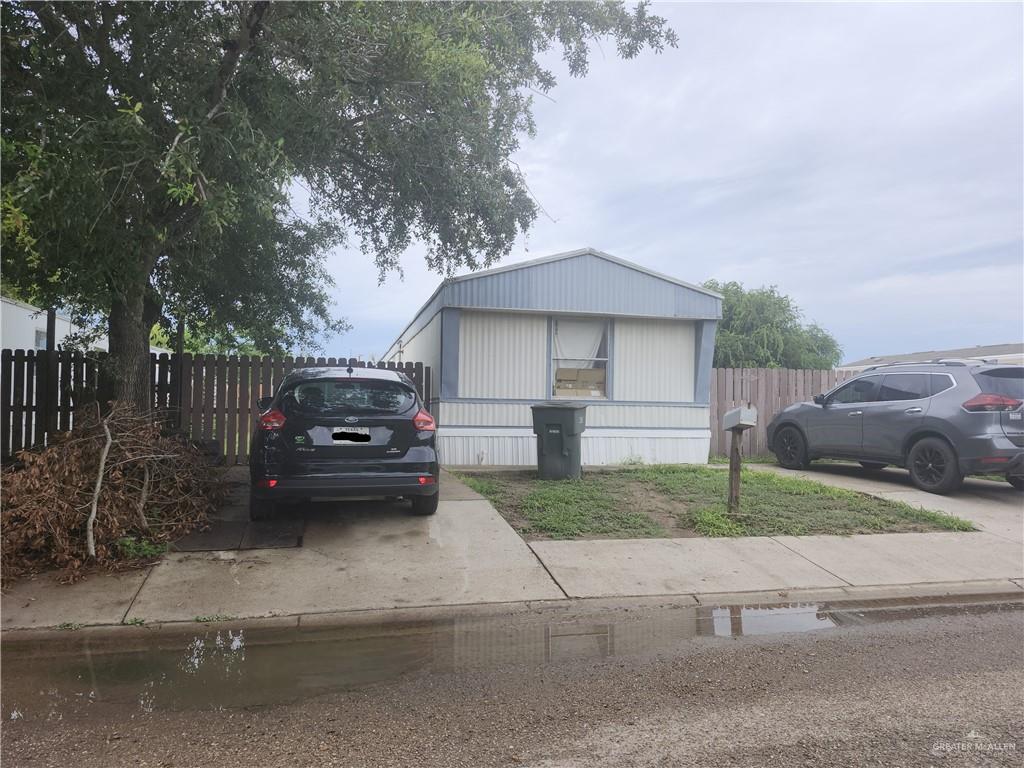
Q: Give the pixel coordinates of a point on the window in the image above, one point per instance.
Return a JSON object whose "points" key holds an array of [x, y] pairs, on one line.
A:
{"points": [[859, 391], [579, 351], [940, 382], [904, 386], [1008, 382], [336, 397], [40, 339]]}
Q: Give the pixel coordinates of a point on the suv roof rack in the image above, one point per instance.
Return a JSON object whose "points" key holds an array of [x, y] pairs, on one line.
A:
{"points": [[959, 362]]}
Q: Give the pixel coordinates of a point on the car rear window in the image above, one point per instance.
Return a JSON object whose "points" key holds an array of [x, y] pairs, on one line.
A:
{"points": [[1002, 381], [338, 397]]}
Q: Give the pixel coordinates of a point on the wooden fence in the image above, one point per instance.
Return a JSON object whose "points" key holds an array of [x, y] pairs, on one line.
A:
{"points": [[212, 397], [767, 389]]}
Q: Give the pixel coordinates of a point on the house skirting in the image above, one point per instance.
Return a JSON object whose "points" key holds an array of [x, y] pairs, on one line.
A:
{"points": [[510, 446]]}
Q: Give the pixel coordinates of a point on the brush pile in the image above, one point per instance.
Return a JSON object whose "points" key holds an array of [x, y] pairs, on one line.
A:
{"points": [[110, 493]]}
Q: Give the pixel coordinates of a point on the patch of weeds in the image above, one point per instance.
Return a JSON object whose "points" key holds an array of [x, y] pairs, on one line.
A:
{"points": [[764, 458], [134, 622], [565, 509], [487, 487], [69, 626], [213, 618], [713, 521], [135, 548]]}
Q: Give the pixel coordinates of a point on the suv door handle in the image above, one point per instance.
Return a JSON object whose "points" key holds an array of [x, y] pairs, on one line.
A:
{"points": [[856, 413], [913, 410]]}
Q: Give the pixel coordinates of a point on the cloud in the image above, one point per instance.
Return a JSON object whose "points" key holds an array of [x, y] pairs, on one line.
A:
{"points": [[865, 158]]}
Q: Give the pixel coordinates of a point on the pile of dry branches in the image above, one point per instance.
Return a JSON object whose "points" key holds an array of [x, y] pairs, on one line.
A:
{"points": [[87, 499]]}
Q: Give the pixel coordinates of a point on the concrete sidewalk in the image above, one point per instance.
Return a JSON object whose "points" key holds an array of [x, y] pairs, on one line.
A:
{"points": [[374, 556]]}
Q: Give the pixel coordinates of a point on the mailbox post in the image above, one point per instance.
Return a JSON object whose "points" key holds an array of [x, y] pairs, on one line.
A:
{"points": [[735, 422]]}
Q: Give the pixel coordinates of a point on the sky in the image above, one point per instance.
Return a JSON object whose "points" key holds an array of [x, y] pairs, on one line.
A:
{"points": [[866, 159]]}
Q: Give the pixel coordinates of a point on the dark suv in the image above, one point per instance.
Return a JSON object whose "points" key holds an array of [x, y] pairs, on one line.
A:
{"points": [[343, 432], [941, 420]]}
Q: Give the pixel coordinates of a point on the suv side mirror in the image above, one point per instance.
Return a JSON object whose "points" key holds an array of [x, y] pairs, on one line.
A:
{"points": [[819, 400], [264, 403]]}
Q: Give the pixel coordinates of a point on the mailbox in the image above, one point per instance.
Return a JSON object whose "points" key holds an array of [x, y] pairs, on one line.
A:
{"points": [[739, 419]]}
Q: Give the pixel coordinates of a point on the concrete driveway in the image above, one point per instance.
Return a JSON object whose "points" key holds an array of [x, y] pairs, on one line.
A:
{"points": [[346, 556], [994, 507]]}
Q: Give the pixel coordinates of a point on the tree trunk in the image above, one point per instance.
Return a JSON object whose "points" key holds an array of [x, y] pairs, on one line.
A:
{"points": [[128, 365]]}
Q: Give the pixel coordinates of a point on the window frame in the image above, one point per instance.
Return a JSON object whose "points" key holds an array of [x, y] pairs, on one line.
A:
{"points": [[552, 360]]}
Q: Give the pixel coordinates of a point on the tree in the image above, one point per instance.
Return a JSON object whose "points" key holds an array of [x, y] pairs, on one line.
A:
{"points": [[151, 151], [761, 328]]}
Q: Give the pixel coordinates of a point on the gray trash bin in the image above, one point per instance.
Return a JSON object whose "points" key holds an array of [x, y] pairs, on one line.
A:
{"points": [[558, 426]]}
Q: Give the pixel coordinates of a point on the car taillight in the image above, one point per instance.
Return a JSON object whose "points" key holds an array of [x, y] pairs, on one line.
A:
{"points": [[424, 422], [990, 402], [272, 419]]}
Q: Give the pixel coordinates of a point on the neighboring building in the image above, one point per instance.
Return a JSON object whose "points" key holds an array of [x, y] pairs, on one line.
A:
{"points": [[635, 345], [1007, 354], [23, 326]]}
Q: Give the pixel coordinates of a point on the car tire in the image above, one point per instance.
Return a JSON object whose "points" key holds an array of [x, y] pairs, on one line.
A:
{"points": [[260, 509], [790, 448], [933, 466], [873, 466], [1017, 481], [425, 505]]}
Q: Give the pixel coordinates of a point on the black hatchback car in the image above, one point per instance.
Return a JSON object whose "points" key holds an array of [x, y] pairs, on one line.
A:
{"points": [[343, 432]]}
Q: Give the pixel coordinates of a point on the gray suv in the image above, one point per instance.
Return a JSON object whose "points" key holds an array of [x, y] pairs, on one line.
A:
{"points": [[941, 420]]}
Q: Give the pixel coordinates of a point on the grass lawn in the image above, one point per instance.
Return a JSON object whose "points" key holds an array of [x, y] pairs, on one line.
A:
{"points": [[673, 501]]}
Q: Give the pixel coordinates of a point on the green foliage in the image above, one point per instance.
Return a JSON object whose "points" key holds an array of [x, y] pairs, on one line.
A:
{"points": [[134, 622], [213, 618], [626, 502], [70, 626], [137, 548], [568, 509], [761, 328], [153, 150]]}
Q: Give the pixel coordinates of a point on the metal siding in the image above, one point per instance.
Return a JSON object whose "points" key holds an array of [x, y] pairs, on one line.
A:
{"points": [[519, 415], [654, 360], [521, 449], [425, 347], [502, 355], [586, 284]]}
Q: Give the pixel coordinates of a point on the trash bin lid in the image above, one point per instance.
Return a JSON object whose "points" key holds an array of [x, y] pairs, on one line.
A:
{"points": [[560, 404]]}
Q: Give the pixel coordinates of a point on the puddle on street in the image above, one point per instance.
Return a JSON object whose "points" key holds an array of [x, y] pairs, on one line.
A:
{"points": [[230, 668]]}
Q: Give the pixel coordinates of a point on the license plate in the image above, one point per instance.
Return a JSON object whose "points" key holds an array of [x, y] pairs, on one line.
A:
{"points": [[1016, 416], [353, 430]]}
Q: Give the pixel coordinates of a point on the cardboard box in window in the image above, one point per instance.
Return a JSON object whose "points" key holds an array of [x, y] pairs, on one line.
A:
{"points": [[588, 378], [575, 392]]}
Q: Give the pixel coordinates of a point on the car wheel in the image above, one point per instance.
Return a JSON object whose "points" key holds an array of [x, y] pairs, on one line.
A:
{"points": [[260, 509], [791, 448], [933, 466], [425, 505], [873, 466], [1017, 481]]}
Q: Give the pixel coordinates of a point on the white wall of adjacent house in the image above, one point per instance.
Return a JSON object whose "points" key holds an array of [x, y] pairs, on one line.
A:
{"points": [[23, 326]]}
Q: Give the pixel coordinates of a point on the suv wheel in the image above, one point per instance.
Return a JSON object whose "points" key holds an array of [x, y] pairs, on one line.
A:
{"points": [[933, 466], [425, 505], [260, 509], [873, 466], [1017, 481], [791, 448]]}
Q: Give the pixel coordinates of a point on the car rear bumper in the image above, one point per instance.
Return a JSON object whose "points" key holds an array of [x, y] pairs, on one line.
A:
{"points": [[390, 484], [995, 455]]}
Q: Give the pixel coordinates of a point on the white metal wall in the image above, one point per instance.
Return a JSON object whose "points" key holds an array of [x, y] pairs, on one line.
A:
{"points": [[503, 355], [518, 447], [425, 347], [653, 360], [519, 415]]}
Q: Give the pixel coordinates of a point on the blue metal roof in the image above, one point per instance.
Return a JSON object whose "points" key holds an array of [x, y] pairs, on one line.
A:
{"points": [[585, 281]]}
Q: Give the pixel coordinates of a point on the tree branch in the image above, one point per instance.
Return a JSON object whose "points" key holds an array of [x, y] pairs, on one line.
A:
{"points": [[234, 49]]}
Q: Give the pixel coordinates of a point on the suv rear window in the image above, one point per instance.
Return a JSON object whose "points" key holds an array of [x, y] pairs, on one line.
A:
{"points": [[1002, 381], [339, 397]]}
